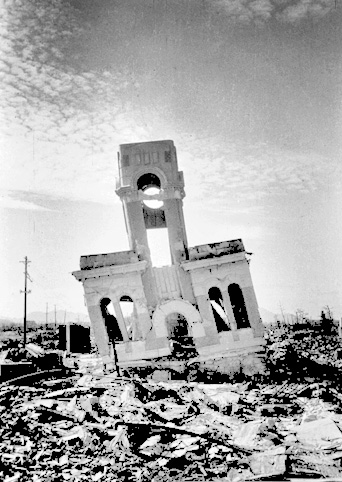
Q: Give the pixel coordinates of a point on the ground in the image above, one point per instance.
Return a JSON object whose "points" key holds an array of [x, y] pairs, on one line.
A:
{"points": [[284, 424]]}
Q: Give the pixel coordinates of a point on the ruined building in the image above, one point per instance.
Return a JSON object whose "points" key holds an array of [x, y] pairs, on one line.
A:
{"points": [[202, 303]]}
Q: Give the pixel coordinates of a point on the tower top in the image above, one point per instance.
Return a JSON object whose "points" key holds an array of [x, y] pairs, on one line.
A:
{"points": [[164, 141], [157, 157], [162, 153]]}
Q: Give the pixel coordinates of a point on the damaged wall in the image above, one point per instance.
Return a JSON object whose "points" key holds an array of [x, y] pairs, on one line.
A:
{"points": [[209, 286]]}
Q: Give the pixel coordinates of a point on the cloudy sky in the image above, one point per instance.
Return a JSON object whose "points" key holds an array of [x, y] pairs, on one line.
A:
{"points": [[250, 92]]}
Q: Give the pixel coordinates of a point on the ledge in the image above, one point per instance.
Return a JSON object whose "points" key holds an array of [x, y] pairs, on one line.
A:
{"points": [[92, 261], [175, 191], [213, 250], [206, 263], [110, 271]]}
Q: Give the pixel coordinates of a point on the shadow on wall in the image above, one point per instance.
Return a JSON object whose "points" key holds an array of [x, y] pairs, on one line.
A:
{"points": [[238, 305], [111, 323]]}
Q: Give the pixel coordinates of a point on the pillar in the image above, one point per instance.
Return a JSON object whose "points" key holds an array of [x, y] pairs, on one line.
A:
{"points": [[252, 310], [121, 320], [100, 332], [229, 310]]}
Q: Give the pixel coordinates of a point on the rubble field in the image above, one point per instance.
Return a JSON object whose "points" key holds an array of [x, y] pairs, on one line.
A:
{"points": [[110, 428], [283, 424]]}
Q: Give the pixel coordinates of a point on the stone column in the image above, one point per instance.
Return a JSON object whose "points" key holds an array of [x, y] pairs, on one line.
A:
{"points": [[138, 242], [136, 332], [212, 336], [229, 310], [252, 310], [178, 243], [67, 336], [176, 229], [121, 320], [100, 332], [143, 320]]}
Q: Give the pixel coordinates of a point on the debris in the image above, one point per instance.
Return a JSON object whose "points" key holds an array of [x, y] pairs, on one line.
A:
{"points": [[112, 428], [34, 350], [319, 432], [246, 433], [268, 463]]}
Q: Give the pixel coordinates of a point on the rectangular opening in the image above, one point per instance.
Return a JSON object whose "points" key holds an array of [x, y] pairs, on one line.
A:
{"points": [[158, 242]]}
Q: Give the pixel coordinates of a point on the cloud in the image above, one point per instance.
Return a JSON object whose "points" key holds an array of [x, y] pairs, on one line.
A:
{"points": [[288, 11], [45, 88], [230, 177], [246, 12], [303, 9], [61, 121], [262, 9], [65, 120], [7, 201]]}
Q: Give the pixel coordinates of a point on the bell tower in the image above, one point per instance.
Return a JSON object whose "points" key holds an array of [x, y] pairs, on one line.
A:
{"points": [[151, 189], [204, 296]]}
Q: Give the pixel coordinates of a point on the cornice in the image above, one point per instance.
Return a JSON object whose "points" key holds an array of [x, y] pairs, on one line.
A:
{"points": [[207, 262], [121, 269]]}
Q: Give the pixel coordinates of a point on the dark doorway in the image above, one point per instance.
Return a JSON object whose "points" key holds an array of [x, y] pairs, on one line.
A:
{"points": [[180, 337], [238, 305]]}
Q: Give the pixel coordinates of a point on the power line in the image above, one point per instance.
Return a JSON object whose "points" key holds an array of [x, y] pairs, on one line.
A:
{"points": [[27, 276]]}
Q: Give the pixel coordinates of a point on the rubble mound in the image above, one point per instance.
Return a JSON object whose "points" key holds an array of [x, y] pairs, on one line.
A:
{"points": [[99, 428]]}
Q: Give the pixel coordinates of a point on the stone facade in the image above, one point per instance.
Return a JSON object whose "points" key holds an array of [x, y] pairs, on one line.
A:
{"points": [[206, 295]]}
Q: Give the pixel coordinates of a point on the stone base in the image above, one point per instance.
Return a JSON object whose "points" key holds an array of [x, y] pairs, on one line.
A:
{"points": [[245, 364], [137, 351], [248, 365]]}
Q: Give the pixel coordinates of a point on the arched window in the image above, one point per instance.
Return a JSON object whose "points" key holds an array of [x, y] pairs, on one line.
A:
{"points": [[217, 306], [180, 336], [150, 185], [108, 315], [148, 180], [129, 316], [238, 305]]}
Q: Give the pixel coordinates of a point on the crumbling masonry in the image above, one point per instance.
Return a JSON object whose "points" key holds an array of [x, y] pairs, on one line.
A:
{"points": [[203, 302]]}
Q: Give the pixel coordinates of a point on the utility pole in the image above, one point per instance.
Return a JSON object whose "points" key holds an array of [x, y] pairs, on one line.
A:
{"points": [[55, 319], [26, 262], [46, 315], [282, 313]]}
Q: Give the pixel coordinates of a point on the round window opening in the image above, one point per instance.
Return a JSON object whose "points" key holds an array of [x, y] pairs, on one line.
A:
{"points": [[153, 203], [149, 184]]}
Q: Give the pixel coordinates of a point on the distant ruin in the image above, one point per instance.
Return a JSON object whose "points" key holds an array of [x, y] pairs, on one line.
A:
{"points": [[202, 303]]}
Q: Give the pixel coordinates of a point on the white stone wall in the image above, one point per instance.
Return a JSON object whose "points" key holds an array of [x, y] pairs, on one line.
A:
{"points": [[176, 289], [115, 286], [220, 273]]}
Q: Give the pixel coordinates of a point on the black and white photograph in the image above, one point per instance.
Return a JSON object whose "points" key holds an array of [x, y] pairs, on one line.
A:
{"points": [[171, 234]]}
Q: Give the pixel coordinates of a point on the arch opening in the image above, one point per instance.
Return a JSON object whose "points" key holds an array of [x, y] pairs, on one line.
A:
{"points": [[110, 321], [150, 185], [182, 342], [218, 310], [148, 180], [129, 315], [238, 305]]}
